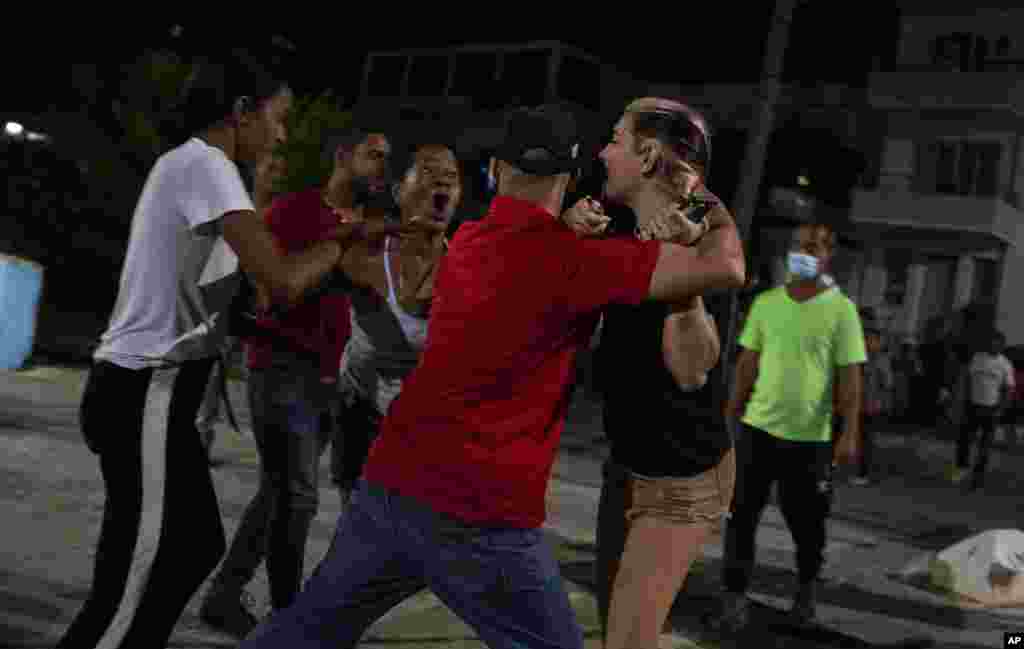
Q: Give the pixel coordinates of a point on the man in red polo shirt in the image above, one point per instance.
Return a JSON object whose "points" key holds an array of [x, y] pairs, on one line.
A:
{"points": [[294, 361], [453, 495]]}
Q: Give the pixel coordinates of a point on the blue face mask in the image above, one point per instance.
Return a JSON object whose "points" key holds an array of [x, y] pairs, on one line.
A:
{"points": [[802, 266]]}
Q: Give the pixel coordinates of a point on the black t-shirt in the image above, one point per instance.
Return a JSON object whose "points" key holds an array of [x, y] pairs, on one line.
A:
{"points": [[655, 429]]}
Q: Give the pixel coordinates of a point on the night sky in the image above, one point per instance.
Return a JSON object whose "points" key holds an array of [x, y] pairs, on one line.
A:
{"points": [[720, 40]]}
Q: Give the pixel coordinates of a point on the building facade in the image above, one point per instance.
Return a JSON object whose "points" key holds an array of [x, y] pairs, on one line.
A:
{"points": [[940, 217]]}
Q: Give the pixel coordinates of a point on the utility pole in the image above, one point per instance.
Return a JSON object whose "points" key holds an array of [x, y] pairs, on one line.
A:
{"points": [[753, 160]]}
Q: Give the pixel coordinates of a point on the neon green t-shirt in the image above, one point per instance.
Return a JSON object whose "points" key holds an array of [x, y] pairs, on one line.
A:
{"points": [[801, 344]]}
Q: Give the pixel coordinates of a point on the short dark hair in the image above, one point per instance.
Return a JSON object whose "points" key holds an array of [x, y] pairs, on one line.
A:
{"points": [[216, 85], [815, 226], [403, 155]]}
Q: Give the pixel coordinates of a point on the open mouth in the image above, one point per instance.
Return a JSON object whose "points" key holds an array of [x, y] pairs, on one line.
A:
{"points": [[440, 203]]}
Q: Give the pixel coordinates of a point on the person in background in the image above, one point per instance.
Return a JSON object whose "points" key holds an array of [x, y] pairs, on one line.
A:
{"points": [[1010, 421], [990, 380], [293, 361], [878, 386], [802, 345], [906, 372]]}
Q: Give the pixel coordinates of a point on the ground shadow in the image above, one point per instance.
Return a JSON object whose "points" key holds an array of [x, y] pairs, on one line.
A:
{"points": [[699, 599]]}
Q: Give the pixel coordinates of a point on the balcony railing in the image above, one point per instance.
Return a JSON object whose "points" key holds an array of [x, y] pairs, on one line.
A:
{"points": [[967, 214], [932, 87]]}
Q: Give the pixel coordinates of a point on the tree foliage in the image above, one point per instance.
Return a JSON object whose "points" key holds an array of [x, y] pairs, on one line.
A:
{"points": [[311, 121]]}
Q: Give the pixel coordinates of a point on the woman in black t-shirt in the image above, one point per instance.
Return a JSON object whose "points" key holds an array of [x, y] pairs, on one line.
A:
{"points": [[670, 477]]}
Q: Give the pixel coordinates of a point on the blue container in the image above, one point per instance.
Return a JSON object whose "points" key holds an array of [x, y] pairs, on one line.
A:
{"points": [[21, 287]]}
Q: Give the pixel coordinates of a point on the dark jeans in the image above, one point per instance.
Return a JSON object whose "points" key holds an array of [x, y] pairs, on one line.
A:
{"points": [[976, 418], [161, 534], [360, 423], [803, 471], [289, 408], [503, 582]]}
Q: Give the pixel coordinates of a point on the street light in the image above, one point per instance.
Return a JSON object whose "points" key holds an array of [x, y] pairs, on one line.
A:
{"points": [[14, 129]]}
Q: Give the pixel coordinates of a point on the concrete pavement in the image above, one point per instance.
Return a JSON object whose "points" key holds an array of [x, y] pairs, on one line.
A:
{"points": [[52, 502]]}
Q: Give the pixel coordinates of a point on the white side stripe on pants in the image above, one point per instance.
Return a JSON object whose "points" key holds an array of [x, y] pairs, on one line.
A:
{"points": [[154, 468]]}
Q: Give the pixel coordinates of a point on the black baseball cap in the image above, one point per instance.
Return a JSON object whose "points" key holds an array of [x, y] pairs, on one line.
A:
{"points": [[543, 141]]}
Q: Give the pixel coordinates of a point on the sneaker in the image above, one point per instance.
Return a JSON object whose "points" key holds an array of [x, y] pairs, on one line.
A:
{"points": [[734, 615], [804, 606], [227, 613]]}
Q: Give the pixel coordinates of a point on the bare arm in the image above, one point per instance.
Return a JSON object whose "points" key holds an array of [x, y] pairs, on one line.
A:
{"points": [[690, 343], [682, 273], [284, 277], [747, 368], [715, 263], [851, 386]]}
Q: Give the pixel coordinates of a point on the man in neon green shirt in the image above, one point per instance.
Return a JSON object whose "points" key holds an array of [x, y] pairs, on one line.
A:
{"points": [[798, 342]]}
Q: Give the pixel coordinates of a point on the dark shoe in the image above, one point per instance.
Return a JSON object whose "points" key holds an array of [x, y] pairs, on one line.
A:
{"points": [[977, 482], [804, 607], [734, 615], [226, 612]]}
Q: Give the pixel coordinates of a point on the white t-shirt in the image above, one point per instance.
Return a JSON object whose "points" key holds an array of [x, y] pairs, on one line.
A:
{"points": [[989, 373], [179, 274]]}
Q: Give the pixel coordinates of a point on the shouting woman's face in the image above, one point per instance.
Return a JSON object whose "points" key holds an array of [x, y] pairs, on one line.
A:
{"points": [[431, 189]]}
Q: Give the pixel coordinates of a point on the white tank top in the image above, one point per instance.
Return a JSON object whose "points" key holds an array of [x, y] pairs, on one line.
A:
{"points": [[414, 328]]}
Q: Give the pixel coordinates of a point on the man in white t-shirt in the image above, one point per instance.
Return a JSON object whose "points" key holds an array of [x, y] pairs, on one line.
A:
{"points": [[990, 380], [194, 227]]}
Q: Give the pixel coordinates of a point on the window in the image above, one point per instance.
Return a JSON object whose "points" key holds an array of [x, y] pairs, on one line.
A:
{"points": [[960, 51], [386, 76], [580, 81], [474, 74], [1003, 46], [986, 274], [428, 76], [524, 77], [966, 168], [897, 263]]}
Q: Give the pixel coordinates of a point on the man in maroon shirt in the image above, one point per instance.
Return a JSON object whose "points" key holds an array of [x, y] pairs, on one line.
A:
{"points": [[453, 490], [294, 361]]}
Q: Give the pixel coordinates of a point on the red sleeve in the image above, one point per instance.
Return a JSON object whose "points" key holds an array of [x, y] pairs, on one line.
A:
{"points": [[294, 221], [611, 271]]}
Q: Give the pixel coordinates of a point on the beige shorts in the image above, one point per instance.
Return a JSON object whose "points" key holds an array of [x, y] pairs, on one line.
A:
{"points": [[703, 498]]}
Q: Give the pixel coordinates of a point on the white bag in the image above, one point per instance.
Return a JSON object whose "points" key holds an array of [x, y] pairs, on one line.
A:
{"points": [[987, 568]]}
